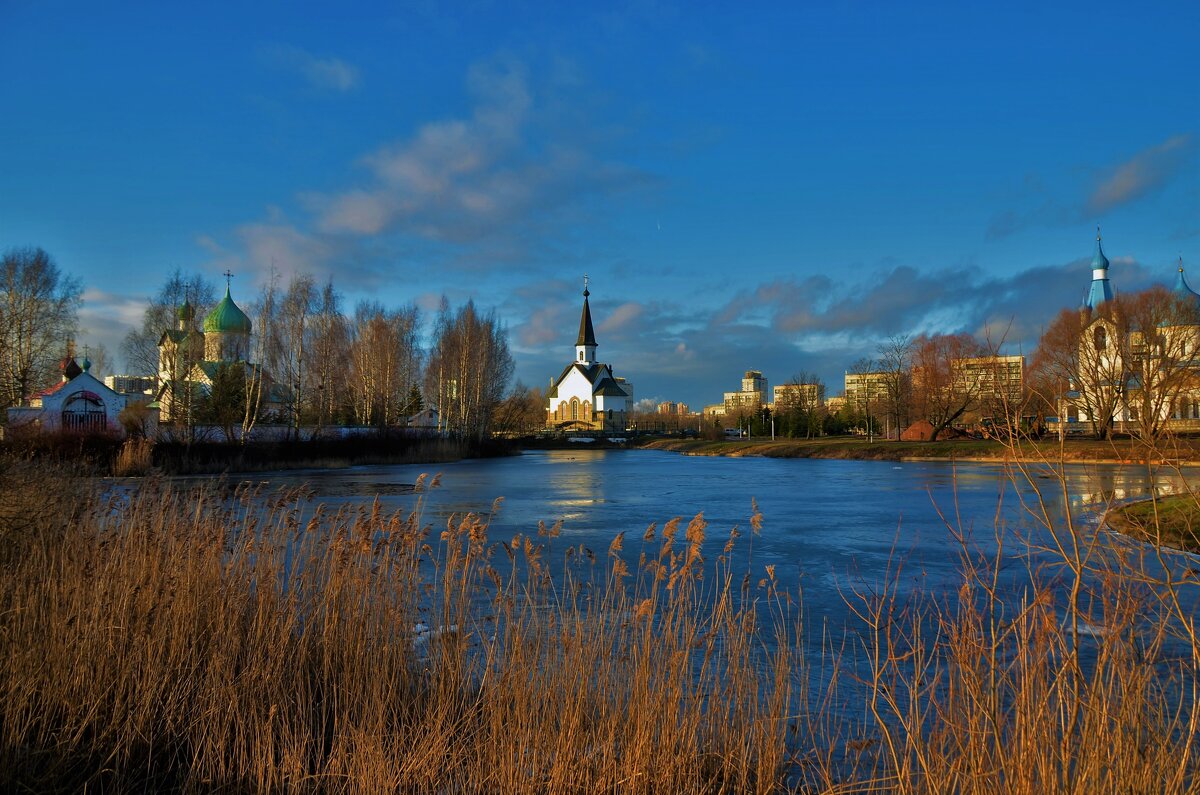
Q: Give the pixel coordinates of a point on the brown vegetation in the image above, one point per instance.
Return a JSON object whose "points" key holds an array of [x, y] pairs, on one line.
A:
{"points": [[162, 640]]}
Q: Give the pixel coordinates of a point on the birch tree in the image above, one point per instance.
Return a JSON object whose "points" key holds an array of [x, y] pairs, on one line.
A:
{"points": [[291, 333], [469, 368], [330, 347], [38, 312], [140, 346], [385, 362]]}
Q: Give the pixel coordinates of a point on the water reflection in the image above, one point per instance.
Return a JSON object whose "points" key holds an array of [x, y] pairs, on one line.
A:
{"points": [[574, 483], [825, 520]]}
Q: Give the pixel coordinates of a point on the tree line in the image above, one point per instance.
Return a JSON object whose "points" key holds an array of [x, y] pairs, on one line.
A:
{"points": [[321, 365], [318, 363], [1138, 357]]}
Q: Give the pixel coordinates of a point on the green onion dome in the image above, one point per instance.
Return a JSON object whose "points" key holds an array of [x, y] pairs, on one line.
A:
{"points": [[226, 317]]}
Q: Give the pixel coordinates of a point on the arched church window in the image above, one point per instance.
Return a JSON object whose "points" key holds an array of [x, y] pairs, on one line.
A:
{"points": [[1100, 337], [574, 409]]}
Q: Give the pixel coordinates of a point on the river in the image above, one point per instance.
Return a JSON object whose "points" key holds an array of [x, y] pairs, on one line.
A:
{"points": [[827, 523], [831, 529]]}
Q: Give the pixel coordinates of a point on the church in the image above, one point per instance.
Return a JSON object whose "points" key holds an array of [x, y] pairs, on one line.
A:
{"points": [[189, 356], [586, 396], [79, 403], [1128, 375]]}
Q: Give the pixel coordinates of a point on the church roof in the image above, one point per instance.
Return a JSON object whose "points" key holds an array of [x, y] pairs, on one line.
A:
{"points": [[227, 317], [1181, 289], [1098, 259], [586, 335], [589, 372], [610, 388], [1100, 290]]}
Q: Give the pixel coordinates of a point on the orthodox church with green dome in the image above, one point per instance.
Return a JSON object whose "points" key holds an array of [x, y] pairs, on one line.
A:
{"points": [[187, 355], [226, 332]]}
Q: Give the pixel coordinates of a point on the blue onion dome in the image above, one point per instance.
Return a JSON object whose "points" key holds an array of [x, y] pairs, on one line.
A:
{"points": [[227, 317], [1100, 291], [1182, 290], [1098, 259]]}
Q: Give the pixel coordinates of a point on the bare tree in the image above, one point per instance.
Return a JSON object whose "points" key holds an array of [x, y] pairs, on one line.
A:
{"points": [[863, 400], [385, 362], [329, 372], [1163, 343], [468, 370], [100, 363], [38, 312], [895, 361], [291, 333], [944, 386], [256, 386], [169, 344], [1087, 361], [141, 346], [521, 413]]}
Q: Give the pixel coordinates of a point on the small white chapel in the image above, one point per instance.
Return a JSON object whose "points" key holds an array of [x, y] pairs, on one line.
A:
{"points": [[587, 396], [79, 403]]}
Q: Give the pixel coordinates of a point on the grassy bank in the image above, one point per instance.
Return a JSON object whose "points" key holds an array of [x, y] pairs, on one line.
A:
{"points": [[186, 641], [1172, 521], [840, 447]]}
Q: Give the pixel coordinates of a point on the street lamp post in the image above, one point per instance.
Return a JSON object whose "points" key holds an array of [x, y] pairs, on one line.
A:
{"points": [[870, 435]]}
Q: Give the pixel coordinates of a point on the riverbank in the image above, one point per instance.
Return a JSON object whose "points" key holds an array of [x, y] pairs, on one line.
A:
{"points": [[1172, 521], [1122, 451], [101, 455]]}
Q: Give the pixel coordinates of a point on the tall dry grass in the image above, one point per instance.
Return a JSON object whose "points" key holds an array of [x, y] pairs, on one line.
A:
{"points": [[135, 457], [214, 640], [191, 641]]}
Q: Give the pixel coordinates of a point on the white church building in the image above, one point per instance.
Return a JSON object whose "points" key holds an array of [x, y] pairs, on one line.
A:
{"points": [[80, 403], [587, 396]]}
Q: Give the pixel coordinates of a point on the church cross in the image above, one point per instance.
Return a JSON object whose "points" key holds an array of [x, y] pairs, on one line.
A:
{"points": [[228, 275]]}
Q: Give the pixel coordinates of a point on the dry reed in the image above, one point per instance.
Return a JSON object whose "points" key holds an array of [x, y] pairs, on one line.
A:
{"points": [[198, 641]]}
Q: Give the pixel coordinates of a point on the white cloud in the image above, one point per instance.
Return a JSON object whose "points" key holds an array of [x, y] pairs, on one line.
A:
{"points": [[331, 74], [1145, 172], [620, 318], [284, 248], [502, 176]]}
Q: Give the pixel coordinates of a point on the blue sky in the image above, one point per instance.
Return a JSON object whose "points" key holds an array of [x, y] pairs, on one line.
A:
{"points": [[776, 187]]}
